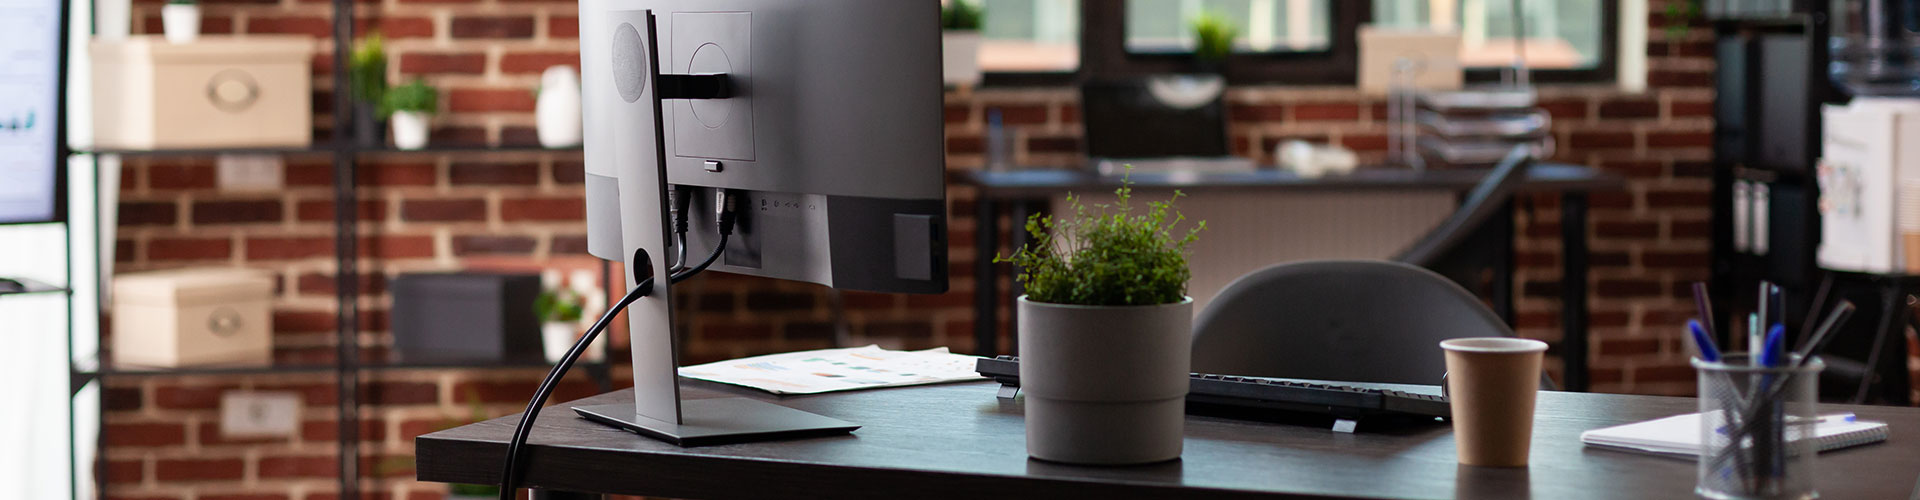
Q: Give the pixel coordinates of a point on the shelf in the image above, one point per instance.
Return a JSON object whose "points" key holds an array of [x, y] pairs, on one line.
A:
{"points": [[332, 149]]}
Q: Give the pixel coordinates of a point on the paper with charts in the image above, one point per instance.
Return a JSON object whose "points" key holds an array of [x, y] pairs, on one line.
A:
{"points": [[829, 370]]}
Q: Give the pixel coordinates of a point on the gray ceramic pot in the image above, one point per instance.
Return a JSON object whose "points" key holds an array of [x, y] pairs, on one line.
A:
{"points": [[1105, 385]]}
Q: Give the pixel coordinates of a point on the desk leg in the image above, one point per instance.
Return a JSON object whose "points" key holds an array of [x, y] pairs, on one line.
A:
{"points": [[540, 494], [986, 283], [1573, 290]]}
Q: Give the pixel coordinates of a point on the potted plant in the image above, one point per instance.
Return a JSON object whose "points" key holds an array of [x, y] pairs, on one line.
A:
{"points": [[1104, 332], [960, 41], [367, 75], [180, 19], [560, 309], [410, 106], [1213, 37]]}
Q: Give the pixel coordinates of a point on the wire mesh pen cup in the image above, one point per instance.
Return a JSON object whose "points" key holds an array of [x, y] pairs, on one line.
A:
{"points": [[1757, 428]]}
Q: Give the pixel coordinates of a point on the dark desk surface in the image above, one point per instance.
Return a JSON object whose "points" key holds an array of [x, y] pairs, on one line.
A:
{"points": [[1047, 182], [958, 441]]}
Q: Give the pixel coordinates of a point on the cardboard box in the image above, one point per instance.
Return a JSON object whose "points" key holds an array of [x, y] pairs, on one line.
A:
{"points": [[219, 91], [193, 317]]}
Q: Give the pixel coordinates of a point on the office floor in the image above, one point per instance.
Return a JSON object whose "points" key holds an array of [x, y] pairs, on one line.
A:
{"points": [[445, 211]]}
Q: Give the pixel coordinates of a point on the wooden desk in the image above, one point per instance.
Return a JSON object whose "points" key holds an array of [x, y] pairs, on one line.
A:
{"points": [[958, 441], [1024, 191]]}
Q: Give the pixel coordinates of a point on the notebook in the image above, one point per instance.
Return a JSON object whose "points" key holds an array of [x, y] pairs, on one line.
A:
{"points": [[1679, 435]]}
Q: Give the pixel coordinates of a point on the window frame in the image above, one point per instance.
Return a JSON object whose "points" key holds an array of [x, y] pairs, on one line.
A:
{"points": [[1103, 54]]}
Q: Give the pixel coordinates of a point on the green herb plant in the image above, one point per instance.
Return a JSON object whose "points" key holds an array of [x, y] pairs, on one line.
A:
{"points": [[1109, 254], [367, 70], [415, 96], [961, 15], [181, 2], [1213, 37], [561, 305]]}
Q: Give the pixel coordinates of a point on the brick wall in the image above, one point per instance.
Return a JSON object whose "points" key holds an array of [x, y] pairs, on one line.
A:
{"points": [[449, 211]]}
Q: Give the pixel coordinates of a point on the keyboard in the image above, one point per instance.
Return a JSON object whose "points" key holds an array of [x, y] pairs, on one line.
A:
{"points": [[1253, 397]]}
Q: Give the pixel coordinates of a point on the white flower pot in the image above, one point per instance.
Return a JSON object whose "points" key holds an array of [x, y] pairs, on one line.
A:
{"points": [[558, 336], [1105, 385], [113, 19], [181, 22], [409, 129], [557, 112], [960, 57]]}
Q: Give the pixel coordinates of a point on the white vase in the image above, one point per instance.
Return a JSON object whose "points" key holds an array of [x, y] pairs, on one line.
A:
{"points": [[410, 129], [113, 19], [181, 22], [557, 112], [1105, 385], [558, 336], [960, 57]]}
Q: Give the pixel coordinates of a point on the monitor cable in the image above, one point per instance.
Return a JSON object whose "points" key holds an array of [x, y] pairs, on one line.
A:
{"points": [[728, 207]]}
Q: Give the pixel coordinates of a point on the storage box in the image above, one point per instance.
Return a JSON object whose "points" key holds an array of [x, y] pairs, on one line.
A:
{"points": [[219, 91], [193, 317], [466, 318]]}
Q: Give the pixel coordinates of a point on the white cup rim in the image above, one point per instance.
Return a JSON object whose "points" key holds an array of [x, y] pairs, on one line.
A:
{"points": [[1493, 345]]}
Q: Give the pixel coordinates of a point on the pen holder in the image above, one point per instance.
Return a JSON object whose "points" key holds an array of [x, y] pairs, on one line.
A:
{"points": [[1757, 429]]}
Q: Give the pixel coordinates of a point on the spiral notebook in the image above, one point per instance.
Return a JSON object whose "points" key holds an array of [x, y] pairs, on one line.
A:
{"points": [[1679, 435]]}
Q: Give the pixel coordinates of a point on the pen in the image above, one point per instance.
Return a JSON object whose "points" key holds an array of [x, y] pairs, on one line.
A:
{"points": [[1821, 336], [1774, 348], [1754, 340], [1703, 302], [1703, 342]]}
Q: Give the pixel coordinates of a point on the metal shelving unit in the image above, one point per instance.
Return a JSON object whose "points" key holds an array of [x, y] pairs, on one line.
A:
{"points": [[347, 366]]}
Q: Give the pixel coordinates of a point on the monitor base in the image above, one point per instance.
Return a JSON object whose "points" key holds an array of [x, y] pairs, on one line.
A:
{"points": [[720, 421]]}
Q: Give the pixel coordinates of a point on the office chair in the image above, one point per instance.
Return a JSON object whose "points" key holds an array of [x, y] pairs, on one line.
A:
{"points": [[1355, 321], [1486, 199]]}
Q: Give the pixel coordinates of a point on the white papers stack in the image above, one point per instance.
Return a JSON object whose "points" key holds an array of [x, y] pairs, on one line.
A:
{"points": [[829, 370], [1679, 435]]}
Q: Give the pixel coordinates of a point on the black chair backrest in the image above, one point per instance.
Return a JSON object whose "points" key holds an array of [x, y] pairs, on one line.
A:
{"points": [[1486, 199]]}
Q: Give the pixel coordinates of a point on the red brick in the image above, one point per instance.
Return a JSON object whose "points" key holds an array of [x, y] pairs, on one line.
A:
{"points": [[459, 135], [1053, 144], [400, 393], [1679, 372], [443, 210], [543, 209], [537, 62], [210, 436], [124, 471], [315, 26], [1679, 139], [1628, 346], [303, 321], [492, 27], [472, 63], [1069, 114], [176, 177], [1601, 140], [1679, 109], [1682, 260], [237, 211], [323, 284], [322, 210], [148, 213], [1629, 108], [1627, 288], [1325, 112], [209, 25], [1257, 113], [283, 248], [563, 27], [1678, 199], [1679, 78], [395, 173], [1567, 110], [395, 28], [145, 434], [192, 469], [1020, 114], [175, 397], [1635, 169], [567, 245], [329, 430], [515, 391], [397, 247], [493, 245], [960, 145], [957, 113], [1626, 229], [164, 249], [725, 332], [243, 496], [472, 100], [569, 172], [316, 466], [1364, 142], [494, 174]]}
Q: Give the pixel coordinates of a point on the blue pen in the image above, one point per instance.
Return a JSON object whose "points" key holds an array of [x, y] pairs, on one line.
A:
{"points": [[1775, 347], [1703, 342]]}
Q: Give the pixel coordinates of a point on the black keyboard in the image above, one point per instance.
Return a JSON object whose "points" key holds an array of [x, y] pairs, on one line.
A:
{"points": [[1211, 393]]}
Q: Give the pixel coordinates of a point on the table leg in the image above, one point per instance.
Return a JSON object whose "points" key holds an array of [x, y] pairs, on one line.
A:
{"points": [[1573, 290], [986, 282]]}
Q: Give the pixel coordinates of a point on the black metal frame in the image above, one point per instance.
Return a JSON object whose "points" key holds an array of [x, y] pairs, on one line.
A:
{"points": [[1103, 53]]}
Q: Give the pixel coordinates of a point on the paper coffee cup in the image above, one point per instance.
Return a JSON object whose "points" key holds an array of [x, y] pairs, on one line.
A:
{"points": [[1491, 385]]}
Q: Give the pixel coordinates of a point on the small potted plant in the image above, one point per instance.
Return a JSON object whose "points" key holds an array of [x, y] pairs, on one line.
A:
{"points": [[960, 41], [559, 309], [1213, 37], [180, 19], [367, 75], [1105, 331], [411, 106]]}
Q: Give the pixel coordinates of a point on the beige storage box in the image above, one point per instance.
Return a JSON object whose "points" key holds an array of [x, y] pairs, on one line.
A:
{"points": [[193, 317], [219, 91]]}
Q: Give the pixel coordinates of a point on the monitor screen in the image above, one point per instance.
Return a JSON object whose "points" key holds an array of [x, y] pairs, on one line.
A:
{"points": [[1157, 117], [29, 134]]}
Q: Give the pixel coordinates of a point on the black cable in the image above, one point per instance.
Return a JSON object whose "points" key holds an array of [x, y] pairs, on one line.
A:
{"points": [[508, 476]]}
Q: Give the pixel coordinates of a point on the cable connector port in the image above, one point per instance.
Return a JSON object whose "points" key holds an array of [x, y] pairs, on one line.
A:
{"points": [[727, 206]]}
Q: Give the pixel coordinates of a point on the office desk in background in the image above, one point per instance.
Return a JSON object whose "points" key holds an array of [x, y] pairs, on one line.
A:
{"points": [[959, 441], [1027, 191]]}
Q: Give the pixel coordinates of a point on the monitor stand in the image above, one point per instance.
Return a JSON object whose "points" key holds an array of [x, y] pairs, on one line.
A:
{"points": [[657, 410]]}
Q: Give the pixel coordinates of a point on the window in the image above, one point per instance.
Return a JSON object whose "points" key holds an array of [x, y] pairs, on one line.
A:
{"points": [[1030, 36], [1558, 35], [1265, 26]]}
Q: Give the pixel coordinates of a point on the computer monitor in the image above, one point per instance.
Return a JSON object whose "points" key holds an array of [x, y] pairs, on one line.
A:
{"points": [[1156, 117], [830, 134], [30, 78]]}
